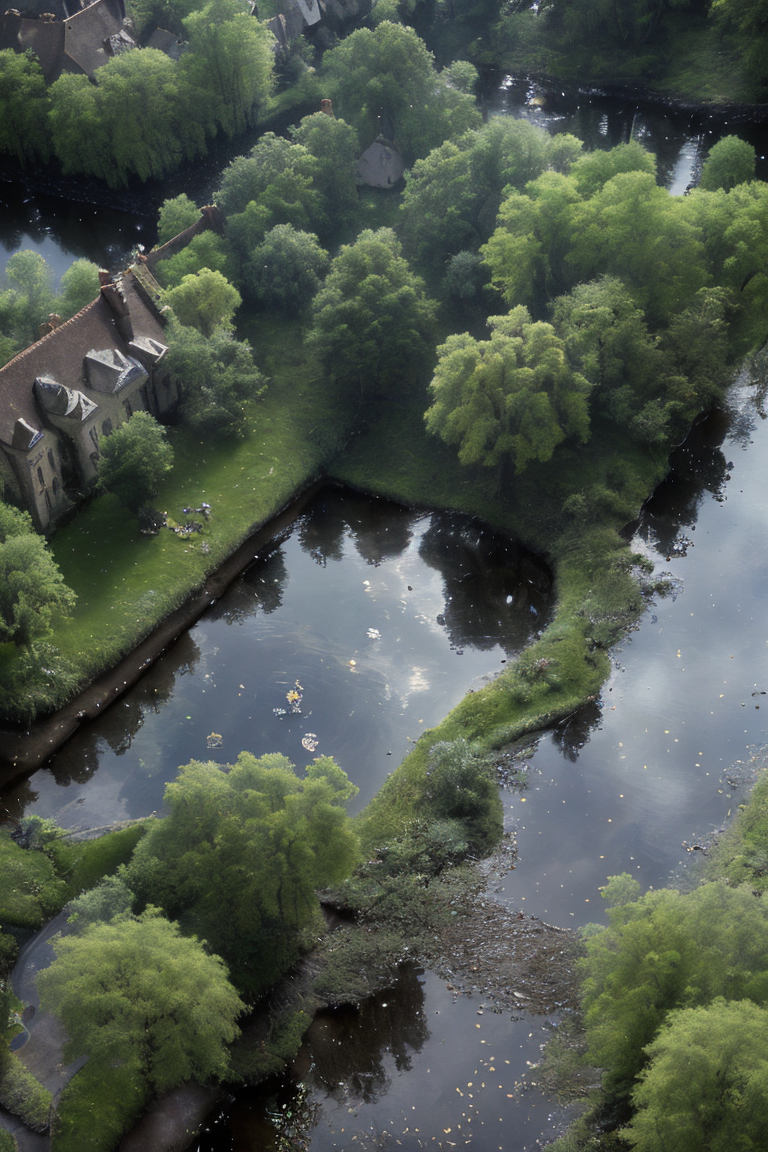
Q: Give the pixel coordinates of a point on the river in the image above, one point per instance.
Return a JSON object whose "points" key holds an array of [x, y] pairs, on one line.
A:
{"points": [[625, 786]]}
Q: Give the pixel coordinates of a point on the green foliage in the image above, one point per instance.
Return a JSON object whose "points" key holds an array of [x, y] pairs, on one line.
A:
{"points": [[137, 993], [79, 287], [664, 952], [240, 856], [24, 107], [620, 890], [452, 196], [137, 120], [229, 64], [134, 459], [176, 214], [30, 890], [334, 145], [150, 14], [106, 901], [217, 376], [30, 280], [750, 20], [384, 80], [706, 1085], [22, 1094], [286, 269], [32, 589], [461, 75], [204, 300], [730, 162], [593, 170], [273, 184], [7, 1142], [512, 398], [741, 856], [206, 251], [116, 1095], [461, 786], [254, 1057], [371, 321]]}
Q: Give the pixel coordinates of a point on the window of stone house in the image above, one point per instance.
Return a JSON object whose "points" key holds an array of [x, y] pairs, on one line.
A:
{"points": [[55, 486], [106, 427], [51, 460], [40, 477], [128, 409]]}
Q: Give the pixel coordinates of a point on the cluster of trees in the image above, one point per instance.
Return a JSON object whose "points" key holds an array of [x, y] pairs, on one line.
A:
{"points": [[675, 1001], [212, 908], [29, 297], [146, 113]]}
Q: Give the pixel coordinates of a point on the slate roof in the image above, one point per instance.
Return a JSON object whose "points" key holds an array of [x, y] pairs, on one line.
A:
{"points": [[59, 355], [80, 43]]}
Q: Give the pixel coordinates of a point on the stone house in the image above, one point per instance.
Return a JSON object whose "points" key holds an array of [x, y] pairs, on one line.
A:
{"points": [[61, 395]]}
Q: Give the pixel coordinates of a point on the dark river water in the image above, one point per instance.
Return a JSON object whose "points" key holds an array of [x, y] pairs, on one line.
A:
{"points": [[385, 618]]}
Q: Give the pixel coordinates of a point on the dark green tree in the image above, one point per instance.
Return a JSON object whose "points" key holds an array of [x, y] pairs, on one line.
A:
{"points": [[384, 80], [508, 400], [30, 278], [24, 106], [706, 1086], [286, 269], [217, 377], [229, 64], [134, 459], [241, 854], [207, 251], [335, 147], [371, 322], [137, 993]]}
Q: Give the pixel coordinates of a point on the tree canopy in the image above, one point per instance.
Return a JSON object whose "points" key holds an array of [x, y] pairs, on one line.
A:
{"points": [[32, 588], [204, 300], [136, 992], [706, 1084], [241, 854], [134, 459], [510, 399], [730, 162], [217, 375], [668, 951], [371, 321], [176, 214], [286, 269], [24, 106]]}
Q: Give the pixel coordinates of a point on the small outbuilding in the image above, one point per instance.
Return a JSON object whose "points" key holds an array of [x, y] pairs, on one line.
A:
{"points": [[381, 165]]}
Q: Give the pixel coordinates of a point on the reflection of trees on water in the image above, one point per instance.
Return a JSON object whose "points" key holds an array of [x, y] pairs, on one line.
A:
{"points": [[494, 593], [573, 733], [697, 467], [348, 1053], [260, 588], [379, 530]]}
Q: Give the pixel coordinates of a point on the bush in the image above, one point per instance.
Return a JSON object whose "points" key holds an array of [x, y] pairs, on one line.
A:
{"points": [[117, 1096], [23, 1095], [461, 787]]}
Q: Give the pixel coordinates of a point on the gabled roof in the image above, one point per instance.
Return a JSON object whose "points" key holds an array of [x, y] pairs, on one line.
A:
{"points": [[80, 43], [59, 355]]}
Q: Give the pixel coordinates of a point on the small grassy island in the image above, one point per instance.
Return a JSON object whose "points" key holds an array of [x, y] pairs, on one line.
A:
{"points": [[520, 330]]}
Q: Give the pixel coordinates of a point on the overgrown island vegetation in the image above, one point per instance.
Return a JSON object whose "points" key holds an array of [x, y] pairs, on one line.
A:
{"points": [[522, 334]]}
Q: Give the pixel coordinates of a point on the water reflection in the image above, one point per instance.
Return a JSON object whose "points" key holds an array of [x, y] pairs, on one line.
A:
{"points": [[345, 604]]}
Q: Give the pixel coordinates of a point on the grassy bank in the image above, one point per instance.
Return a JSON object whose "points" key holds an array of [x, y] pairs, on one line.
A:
{"points": [[598, 594], [127, 582]]}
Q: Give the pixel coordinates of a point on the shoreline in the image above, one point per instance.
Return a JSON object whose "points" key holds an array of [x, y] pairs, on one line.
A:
{"points": [[26, 750]]}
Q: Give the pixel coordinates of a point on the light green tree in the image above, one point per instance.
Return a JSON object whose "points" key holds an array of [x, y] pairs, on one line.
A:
{"points": [[335, 147], [241, 854], [667, 950], [176, 214], [371, 321], [730, 162], [594, 169], [706, 1084], [134, 459], [24, 106], [508, 400], [79, 286], [137, 993], [204, 300], [204, 251], [30, 278]]}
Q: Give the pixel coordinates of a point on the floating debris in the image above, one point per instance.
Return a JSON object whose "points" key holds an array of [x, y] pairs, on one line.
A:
{"points": [[280, 711], [373, 634], [309, 741], [294, 697], [215, 740]]}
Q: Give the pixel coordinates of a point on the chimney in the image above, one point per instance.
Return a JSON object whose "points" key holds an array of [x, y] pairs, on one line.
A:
{"points": [[326, 106]]}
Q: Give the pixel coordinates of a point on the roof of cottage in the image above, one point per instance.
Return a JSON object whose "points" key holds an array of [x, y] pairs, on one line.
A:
{"points": [[80, 43], [59, 355]]}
